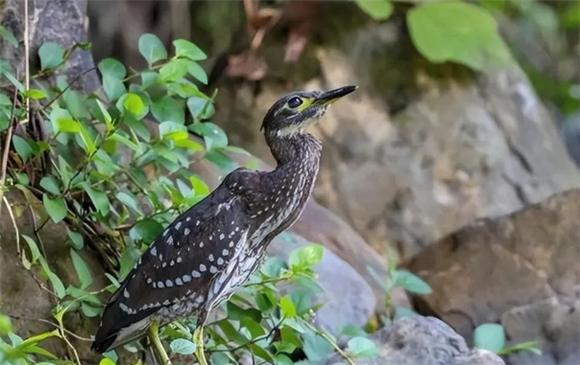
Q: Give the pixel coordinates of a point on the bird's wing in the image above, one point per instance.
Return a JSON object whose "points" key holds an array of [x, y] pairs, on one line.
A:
{"points": [[185, 259]]}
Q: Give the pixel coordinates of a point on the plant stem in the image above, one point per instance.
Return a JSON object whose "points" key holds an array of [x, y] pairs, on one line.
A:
{"points": [[331, 342]]}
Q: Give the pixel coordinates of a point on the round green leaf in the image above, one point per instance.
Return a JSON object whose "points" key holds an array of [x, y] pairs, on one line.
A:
{"points": [[377, 9], [457, 31], [182, 346], [22, 147], [134, 105], [62, 121], [174, 70], [306, 257], [51, 55], [147, 229], [56, 208], [287, 307], [189, 50], [113, 68], [362, 347], [106, 361], [213, 135], [168, 109], [489, 336], [151, 47], [49, 184], [173, 131]]}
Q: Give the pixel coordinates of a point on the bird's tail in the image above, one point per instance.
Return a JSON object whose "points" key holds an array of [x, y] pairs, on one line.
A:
{"points": [[107, 341]]}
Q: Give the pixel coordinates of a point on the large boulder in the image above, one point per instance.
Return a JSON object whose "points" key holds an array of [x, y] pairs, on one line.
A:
{"points": [[424, 341], [481, 273]]}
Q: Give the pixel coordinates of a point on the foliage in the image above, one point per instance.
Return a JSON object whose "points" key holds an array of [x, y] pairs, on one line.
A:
{"points": [[543, 38], [454, 31], [491, 337], [115, 172]]}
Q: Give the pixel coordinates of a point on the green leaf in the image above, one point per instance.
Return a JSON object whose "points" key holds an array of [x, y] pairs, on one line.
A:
{"points": [[377, 9], [195, 70], [174, 70], [113, 68], [87, 140], [173, 131], [198, 185], [56, 208], [76, 239], [62, 121], [189, 50], [200, 108], [401, 312], [5, 325], [147, 229], [83, 272], [287, 307], [151, 47], [306, 257], [51, 55], [113, 73], [49, 184], [459, 32], [72, 99], [489, 336], [282, 359], [362, 347], [213, 135], [106, 361], [262, 353], [34, 251], [133, 103], [8, 36], [148, 78], [114, 88], [99, 199], [182, 347], [35, 94], [129, 201], [57, 285], [22, 147], [168, 109], [411, 282], [315, 347]]}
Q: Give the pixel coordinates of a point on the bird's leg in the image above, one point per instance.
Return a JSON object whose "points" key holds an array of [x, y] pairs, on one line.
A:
{"points": [[153, 332], [198, 340]]}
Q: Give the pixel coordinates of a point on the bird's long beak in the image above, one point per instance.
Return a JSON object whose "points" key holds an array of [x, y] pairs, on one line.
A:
{"points": [[329, 97]]}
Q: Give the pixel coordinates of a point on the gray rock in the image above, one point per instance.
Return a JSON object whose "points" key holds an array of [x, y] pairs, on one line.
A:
{"points": [[347, 299], [423, 341], [553, 323]]}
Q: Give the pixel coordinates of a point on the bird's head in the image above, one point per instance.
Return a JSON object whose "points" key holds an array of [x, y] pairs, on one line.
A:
{"points": [[299, 109]]}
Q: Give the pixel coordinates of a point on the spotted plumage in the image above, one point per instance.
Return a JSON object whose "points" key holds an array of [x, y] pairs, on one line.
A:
{"points": [[209, 251]]}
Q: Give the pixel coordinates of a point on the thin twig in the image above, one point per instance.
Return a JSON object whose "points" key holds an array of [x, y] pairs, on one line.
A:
{"points": [[322, 334], [14, 223], [52, 324], [7, 148], [69, 86], [26, 60]]}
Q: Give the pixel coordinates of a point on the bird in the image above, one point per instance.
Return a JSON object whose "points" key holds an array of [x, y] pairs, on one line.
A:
{"points": [[208, 252]]}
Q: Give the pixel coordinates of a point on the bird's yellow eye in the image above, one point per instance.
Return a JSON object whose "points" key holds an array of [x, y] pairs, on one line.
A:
{"points": [[294, 102]]}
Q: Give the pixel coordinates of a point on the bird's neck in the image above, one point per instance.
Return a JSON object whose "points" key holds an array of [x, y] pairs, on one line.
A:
{"points": [[301, 148]]}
